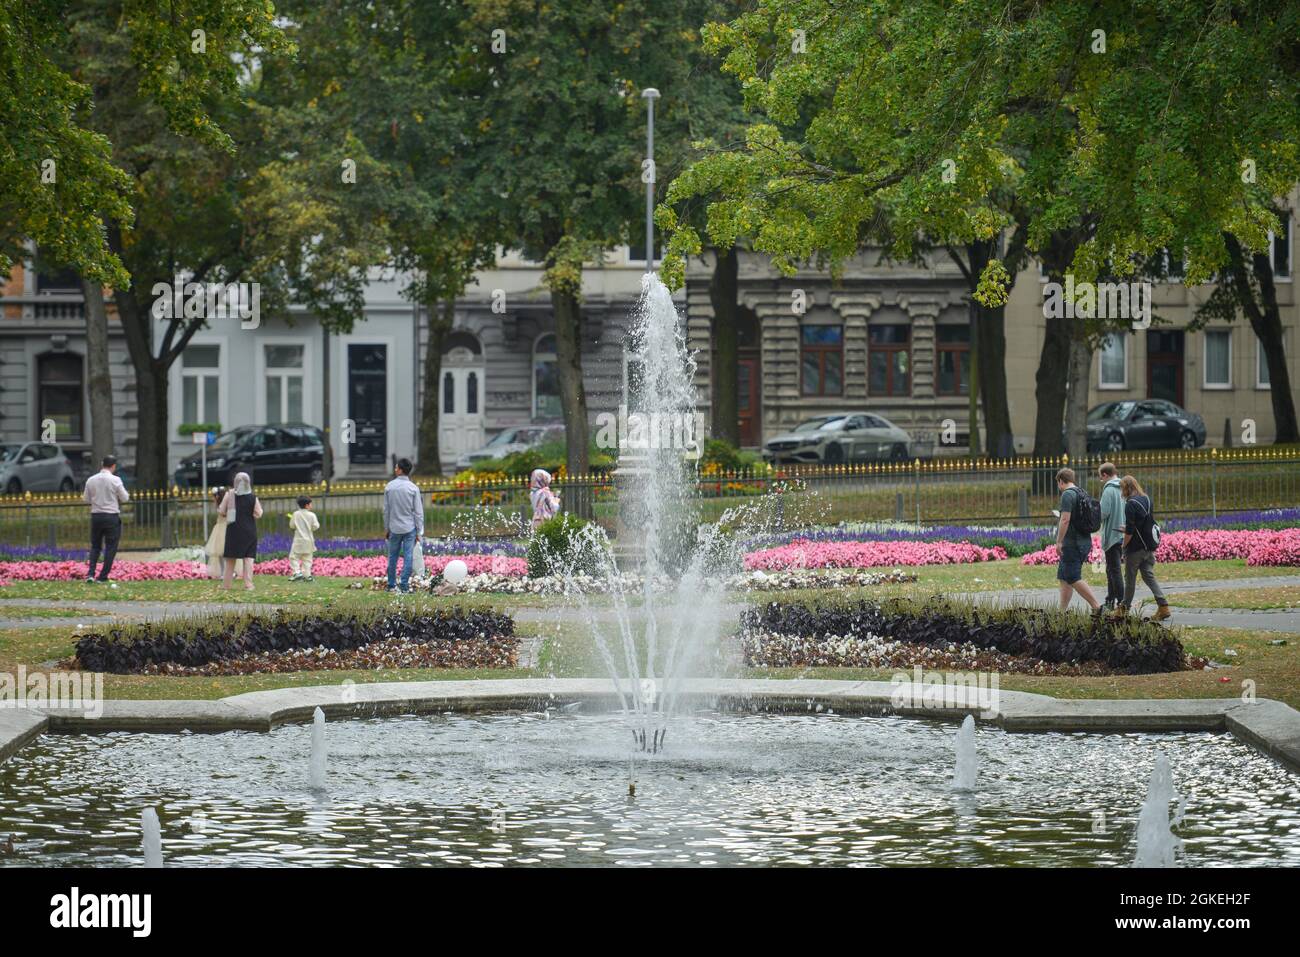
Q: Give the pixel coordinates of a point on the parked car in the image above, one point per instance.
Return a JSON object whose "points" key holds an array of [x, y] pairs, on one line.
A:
{"points": [[35, 467], [508, 441], [1143, 424], [840, 437], [270, 454]]}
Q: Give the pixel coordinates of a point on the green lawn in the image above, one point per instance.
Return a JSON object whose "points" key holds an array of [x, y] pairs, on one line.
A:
{"points": [[568, 649]]}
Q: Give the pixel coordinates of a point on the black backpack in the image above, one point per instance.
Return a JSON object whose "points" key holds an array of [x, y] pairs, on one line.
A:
{"points": [[1085, 516]]}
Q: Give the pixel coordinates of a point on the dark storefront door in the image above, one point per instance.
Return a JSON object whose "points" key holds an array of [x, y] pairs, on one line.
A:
{"points": [[368, 402], [1165, 366], [747, 400]]}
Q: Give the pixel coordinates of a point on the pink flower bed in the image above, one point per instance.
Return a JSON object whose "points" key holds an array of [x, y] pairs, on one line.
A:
{"points": [[123, 571], [805, 554], [371, 565], [1272, 548]]}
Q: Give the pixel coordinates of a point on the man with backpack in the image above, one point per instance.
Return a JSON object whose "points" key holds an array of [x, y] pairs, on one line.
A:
{"points": [[1112, 532], [1080, 517]]}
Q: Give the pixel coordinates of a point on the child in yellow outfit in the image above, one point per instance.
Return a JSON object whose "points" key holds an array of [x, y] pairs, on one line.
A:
{"points": [[304, 523]]}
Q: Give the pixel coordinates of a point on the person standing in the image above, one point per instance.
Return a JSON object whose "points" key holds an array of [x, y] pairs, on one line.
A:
{"points": [[105, 494], [1072, 545], [1139, 549], [241, 510], [1112, 532], [403, 523], [545, 502], [304, 524]]}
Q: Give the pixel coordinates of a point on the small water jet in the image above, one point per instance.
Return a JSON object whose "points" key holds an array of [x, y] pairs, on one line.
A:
{"points": [[966, 768], [318, 752], [1157, 846], [151, 838]]}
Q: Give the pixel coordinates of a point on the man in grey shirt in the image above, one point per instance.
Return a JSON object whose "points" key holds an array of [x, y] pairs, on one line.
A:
{"points": [[403, 523], [104, 493]]}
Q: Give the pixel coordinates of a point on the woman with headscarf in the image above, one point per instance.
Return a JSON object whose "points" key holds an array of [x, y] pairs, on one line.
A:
{"points": [[241, 510], [545, 502]]}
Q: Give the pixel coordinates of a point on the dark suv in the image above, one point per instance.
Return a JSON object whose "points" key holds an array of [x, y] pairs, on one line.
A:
{"points": [[271, 454]]}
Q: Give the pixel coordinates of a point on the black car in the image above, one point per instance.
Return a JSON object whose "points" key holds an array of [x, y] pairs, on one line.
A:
{"points": [[1143, 424], [270, 454]]}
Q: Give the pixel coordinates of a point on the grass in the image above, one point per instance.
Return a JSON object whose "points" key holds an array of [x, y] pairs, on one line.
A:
{"points": [[569, 651], [1276, 598]]}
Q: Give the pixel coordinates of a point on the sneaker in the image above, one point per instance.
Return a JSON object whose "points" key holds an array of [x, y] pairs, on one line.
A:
{"points": [[308, 578], [295, 578], [89, 580]]}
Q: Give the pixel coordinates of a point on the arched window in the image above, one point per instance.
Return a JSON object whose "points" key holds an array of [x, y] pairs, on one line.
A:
{"points": [[471, 393], [448, 394], [546, 378], [60, 388]]}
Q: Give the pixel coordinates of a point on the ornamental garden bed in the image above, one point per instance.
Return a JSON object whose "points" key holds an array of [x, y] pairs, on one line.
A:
{"points": [[286, 641], [937, 633], [1259, 547]]}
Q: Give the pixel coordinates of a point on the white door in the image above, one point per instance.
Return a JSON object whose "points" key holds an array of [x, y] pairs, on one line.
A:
{"points": [[460, 414]]}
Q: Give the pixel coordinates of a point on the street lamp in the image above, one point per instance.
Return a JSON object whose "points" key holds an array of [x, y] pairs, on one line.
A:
{"points": [[649, 94]]}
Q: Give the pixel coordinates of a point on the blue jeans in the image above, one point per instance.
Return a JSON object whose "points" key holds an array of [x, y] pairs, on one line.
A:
{"points": [[403, 544]]}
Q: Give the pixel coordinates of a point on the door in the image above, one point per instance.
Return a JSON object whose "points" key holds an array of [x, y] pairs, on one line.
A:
{"points": [[747, 400], [51, 463], [857, 439], [368, 402], [264, 459], [1165, 366], [460, 412]]}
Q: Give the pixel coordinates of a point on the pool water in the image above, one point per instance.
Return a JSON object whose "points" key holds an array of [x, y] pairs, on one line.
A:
{"points": [[551, 788]]}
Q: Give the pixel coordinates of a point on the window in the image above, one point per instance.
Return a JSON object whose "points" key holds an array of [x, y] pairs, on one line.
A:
{"points": [[889, 368], [1113, 366], [448, 394], [546, 379], [1281, 248], [53, 278], [953, 359], [59, 395], [471, 393], [821, 360], [284, 369], [1218, 359], [201, 385], [1261, 367]]}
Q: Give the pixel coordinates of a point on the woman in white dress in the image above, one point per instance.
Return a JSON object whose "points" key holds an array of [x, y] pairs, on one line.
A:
{"points": [[216, 545]]}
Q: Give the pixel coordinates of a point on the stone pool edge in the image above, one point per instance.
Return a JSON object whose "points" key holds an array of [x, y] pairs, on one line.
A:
{"points": [[1270, 726]]}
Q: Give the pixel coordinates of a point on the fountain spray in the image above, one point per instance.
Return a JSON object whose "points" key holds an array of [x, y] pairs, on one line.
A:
{"points": [[318, 753], [151, 832]]}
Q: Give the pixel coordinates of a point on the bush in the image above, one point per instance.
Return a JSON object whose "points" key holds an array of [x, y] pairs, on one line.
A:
{"points": [[130, 650], [562, 544], [550, 456], [1130, 646]]}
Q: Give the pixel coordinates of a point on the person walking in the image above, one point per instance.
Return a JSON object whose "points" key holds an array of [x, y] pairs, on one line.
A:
{"points": [[1072, 545], [1112, 532], [105, 494], [1140, 542], [304, 523], [241, 510], [403, 523], [545, 502]]}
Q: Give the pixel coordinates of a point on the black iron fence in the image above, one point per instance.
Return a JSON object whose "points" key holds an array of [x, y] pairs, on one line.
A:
{"points": [[934, 492]]}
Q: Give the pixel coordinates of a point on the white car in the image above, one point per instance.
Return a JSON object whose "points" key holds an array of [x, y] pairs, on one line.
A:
{"points": [[34, 467], [839, 438], [508, 441]]}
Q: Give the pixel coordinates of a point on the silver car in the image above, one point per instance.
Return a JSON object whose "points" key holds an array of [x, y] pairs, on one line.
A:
{"points": [[839, 438], [34, 467], [509, 441]]}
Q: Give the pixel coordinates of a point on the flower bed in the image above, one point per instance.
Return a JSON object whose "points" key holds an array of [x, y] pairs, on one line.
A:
{"points": [[864, 634], [1270, 546], [123, 571], [180, 646], [374, 565], [808, 554]]}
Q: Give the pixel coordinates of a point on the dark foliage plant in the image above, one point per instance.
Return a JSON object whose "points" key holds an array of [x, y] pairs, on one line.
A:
{"points": [[1128, 647], [130, 650], [562, 544]]}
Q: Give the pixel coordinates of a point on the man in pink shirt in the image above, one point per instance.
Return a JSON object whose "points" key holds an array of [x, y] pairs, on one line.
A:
{"points": [[105, 493]]}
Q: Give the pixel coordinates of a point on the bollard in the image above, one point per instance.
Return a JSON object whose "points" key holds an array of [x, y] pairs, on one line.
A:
{"points": [[898, 506], [53, 542], [1024, 503]]}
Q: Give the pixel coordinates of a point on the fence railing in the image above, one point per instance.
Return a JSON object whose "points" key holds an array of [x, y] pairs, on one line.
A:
{"points": [[934, 492]]}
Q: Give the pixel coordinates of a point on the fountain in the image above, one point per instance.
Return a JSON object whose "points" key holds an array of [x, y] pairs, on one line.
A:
{"points": [[967, 763], [151, 832], [1156, 844], [318, 753]]}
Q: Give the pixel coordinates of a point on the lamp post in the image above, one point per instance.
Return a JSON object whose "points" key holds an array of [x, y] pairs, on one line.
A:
{"points": [[649, 94]]}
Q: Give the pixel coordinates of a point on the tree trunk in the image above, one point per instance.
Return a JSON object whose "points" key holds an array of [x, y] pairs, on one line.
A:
{"points": [[1076, 409], [573, 397], [726, 400], [99, 384], [1050, 387], [1267, 323], [999, 441], [151, 433], [441, 316]]}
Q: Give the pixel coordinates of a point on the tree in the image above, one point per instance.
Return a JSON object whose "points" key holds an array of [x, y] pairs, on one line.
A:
{"points": [[1114, 131]]}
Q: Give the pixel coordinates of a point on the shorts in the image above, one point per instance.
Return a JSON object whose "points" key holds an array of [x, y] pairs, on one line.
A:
{"points": [[1069, 567]]}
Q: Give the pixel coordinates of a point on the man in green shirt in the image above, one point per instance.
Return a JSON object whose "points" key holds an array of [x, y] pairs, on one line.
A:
{"points": [[1112, 532], [1072, 546]]}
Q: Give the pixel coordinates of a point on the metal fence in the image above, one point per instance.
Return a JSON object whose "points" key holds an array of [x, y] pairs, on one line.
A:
{"points": [[934, 492]]}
